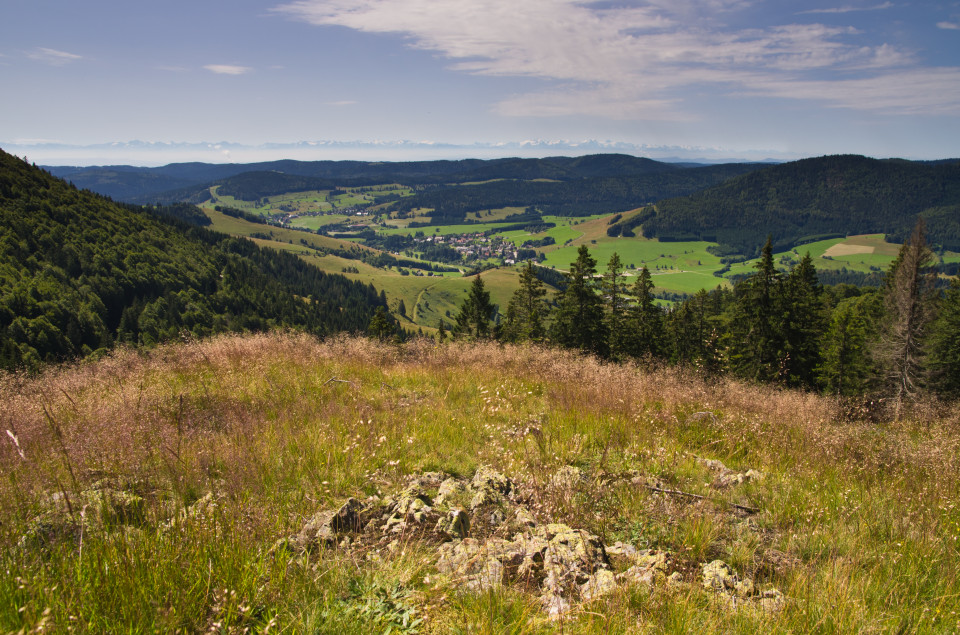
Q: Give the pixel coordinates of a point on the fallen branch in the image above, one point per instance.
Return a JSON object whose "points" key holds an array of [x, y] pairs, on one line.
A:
{"points": [[676, 492], [335, 380]]}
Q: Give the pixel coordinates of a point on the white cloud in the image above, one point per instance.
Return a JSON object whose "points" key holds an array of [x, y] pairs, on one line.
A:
{"points": [[849, 9], [634, 62], [53, 57], [950, 26], [227, 69], [916, 91], [342, 102]]}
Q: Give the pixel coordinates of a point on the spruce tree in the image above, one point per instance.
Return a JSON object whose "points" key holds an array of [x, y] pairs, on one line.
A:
{"points": [[475, 312], [579, 316], [527, 310], [802, 323], [756, 343], [645, 335], [381, 324], [845, 365], [613, 288], [945, 344]]}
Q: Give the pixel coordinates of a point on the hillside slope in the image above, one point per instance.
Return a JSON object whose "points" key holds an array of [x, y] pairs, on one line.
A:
{"points": [[827, 195], [79, 273], [194, 488]]}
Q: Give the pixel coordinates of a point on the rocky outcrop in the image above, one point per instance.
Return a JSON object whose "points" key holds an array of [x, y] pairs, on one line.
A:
{"points": [[738, 592], [486, 537]]}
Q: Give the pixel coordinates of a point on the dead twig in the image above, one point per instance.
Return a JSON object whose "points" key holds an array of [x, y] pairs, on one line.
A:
{"points": [[676, 492], [336, 380]]}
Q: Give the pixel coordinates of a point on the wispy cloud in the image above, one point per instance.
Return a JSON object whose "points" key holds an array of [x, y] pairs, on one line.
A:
{"points": [[849, 9], [227, 69], [342, 102], [637, 62], [950, 26], [53, 57]]}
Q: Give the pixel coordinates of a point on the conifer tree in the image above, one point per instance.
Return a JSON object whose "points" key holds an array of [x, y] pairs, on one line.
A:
{"points": [[945, 343], [475, 312], [845, 366], [802, 323], [579, 316], [645, 336], [381, 324], [527, 310], [613, 287], [756, 347]]}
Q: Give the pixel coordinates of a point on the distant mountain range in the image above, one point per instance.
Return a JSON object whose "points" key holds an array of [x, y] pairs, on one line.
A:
{"points": [[181, 181]]}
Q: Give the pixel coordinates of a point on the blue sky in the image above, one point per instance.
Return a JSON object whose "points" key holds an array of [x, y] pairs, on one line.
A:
{"points": [[738, 78]]}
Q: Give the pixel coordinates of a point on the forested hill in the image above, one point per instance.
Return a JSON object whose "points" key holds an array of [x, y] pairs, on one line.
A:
{"points": [[580, 197], [834, 194], [79, 272], [181, 181]]}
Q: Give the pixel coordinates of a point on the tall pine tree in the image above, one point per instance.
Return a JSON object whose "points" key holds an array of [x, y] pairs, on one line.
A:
{"points": [[756, 345], [945, 344], [579, 316], [645, 335], [527, 310], [476, 312], [613, 287]]}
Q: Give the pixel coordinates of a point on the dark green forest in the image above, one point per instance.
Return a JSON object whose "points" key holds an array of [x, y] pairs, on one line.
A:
{"points": [[184, 181], [797, 201], [889, 343], [580, 197], [80, 273]]}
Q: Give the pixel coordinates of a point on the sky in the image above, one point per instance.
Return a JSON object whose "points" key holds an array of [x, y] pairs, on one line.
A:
{"points": [[146, 82]]}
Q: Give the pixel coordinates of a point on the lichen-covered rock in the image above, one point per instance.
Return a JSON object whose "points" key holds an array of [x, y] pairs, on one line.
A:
{"points": [[476, 566], [488, 478], [571, 557], [455, 524], [602, 583], [737, 592], [650, 569], [718, 576], [326, 526], [450, 489]]}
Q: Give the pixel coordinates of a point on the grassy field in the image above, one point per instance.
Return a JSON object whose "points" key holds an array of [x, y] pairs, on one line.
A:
{"points": [[677, 267], [179, 490]]}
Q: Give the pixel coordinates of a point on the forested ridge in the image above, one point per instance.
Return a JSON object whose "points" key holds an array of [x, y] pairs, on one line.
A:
{"points": [[79, 273], [188, 181], [844, 194], [580, 197]]}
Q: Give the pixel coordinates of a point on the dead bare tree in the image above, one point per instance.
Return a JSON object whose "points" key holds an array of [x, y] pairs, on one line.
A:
{"points": [[908, 310]]}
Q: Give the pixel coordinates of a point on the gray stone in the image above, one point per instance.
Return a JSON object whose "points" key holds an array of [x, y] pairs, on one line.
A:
{"points": [[455, 524], [602, 583]]}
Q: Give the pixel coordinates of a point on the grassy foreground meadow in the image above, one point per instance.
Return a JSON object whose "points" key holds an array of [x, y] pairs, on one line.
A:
{"points": [[157, 492]]}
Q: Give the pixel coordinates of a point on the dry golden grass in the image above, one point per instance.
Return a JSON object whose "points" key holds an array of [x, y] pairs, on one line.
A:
{"points": [[280, 425]]}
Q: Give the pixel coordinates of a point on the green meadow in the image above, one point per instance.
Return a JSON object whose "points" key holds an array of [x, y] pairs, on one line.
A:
{"points": [[677, 267]]}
